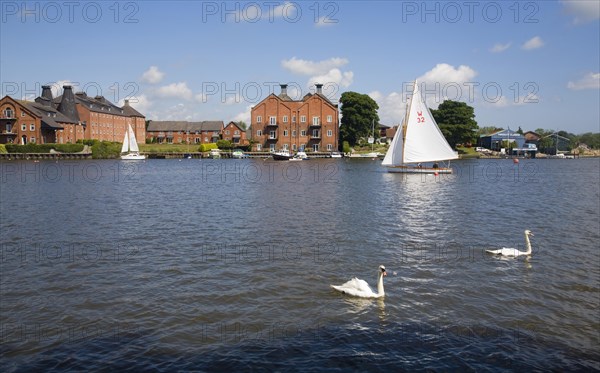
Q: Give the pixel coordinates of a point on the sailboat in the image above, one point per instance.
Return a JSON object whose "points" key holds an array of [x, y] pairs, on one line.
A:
{"points": [[418, 141], [130, 149]]}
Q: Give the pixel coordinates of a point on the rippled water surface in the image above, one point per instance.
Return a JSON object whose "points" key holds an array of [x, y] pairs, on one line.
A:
{"points": [[214, 264]]}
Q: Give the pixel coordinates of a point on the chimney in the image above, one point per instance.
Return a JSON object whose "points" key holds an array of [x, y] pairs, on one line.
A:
{"points": [[319, 88], [67, 104], [283, 89], [47, 92], [126, 103]]}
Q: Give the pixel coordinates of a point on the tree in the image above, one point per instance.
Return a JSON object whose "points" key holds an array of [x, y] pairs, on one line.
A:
{"points": [[520, 131], [359, 111], [456, 121], [242, 125]]}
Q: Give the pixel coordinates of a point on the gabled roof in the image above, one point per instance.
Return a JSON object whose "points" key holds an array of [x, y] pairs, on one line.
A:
{"points": [[130, 111]]}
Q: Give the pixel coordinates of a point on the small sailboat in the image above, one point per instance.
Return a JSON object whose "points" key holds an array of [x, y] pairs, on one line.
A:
{"points": [[419, 144], [130, 150]]}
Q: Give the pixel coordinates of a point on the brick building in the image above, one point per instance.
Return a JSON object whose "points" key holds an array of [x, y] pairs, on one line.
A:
{"points": [[182, 132], [235, 134], [311, 124], [66, 119]]}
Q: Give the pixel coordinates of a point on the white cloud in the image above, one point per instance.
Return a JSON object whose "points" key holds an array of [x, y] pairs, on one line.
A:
{"points": [[152, 75], [533, 43], [243, 116], [179, 90], [391, 107], [334, 77], [583, 11], [305, 67], [588, 81], [140, 103], [325, 21], [498, 48]]}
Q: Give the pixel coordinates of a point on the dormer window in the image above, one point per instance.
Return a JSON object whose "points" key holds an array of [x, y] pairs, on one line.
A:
{"points": [[8, 113]]}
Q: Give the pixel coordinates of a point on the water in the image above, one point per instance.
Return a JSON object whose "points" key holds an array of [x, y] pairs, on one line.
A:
{"points": [[215, 264]]}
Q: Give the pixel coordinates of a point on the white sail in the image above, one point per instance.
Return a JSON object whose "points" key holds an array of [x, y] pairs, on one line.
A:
{"points": [[394, 153], [133, 145], [424, 142], [125, 147]]}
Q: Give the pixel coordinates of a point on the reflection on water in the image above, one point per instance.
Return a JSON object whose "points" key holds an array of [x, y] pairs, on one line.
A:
{"points": [[221, 264]]}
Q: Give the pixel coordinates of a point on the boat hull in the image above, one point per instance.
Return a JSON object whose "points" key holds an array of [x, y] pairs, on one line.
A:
{"points": [[418, 170], [281, 157], [133, 157]]}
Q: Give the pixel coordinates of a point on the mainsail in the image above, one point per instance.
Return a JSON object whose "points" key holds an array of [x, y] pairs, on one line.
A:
{"points": [[419, 139], [125, 147], [133, 146]]}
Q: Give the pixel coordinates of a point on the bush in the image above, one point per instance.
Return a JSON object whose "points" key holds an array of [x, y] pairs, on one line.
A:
{"points": [[224, 144], [68, 148], [208, 147], [106, 150], [3, 149], [346, 147], [44, 148]]}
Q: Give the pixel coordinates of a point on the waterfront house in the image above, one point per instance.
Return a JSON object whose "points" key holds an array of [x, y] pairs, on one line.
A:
{"points": [[183, 132], [279, 122], [494, 141], [234, 133]]}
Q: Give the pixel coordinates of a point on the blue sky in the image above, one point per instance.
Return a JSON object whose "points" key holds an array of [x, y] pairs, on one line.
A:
{"points": [[527, 64]]}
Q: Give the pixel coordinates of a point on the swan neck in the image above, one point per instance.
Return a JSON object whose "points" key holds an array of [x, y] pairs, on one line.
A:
{"points": [[527, 244], [380, 291]]}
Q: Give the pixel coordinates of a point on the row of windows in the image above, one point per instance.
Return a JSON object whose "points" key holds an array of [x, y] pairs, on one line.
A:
{"points": [[315, 147], [273, 120], [272, 134]]}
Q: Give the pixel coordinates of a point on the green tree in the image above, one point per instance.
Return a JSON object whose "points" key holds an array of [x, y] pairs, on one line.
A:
{"points": [[224, 144], [359, 111], [520, 131], [242, 125], [457, 122], [590, 139]]}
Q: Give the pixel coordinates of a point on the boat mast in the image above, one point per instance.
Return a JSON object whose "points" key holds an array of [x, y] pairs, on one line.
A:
{"points": [[406, 116]]}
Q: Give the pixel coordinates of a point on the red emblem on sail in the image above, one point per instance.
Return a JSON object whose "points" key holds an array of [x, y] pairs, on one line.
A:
{"points": [[420, 117]]}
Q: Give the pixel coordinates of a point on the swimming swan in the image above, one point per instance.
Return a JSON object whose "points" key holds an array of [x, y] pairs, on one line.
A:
{"points": [[359, 288], [508, 251]]}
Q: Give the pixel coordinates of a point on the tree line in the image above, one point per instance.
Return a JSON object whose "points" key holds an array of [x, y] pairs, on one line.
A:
{"points": [[455, 119]]}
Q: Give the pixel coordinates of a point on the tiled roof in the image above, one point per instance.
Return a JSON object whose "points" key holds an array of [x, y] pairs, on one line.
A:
{"points": [[49, 115]]}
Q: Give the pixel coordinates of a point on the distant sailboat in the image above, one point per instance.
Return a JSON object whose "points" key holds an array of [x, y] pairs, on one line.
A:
{"points": [[419, 140], [130, 149]]}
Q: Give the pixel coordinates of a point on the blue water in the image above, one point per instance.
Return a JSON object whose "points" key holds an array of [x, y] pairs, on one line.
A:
{"points": [[214, 264]]}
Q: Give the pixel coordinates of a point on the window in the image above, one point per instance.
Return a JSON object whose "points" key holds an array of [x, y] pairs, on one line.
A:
{"points": [[294, 147], [258, 147], [258, 132], [293, 119], [294, 133], [197, 140], [315, 133], [315, 147], [205, 139], [329, 119], [9, 128], [227, 132], [258, 119], [272, 147], [316, 121], [22, 113], [32, 127], [8, 113], [329, 147], [236, 132], [32, 140], [329, 133], [303, 119], [23, 127], [285, 133], [272, 135], [273, 120], [285, 119], [286, 147], [169, 140], [303, 133]]}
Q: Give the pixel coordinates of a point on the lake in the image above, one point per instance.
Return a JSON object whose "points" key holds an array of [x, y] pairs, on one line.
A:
{"points": [[227, 264]]}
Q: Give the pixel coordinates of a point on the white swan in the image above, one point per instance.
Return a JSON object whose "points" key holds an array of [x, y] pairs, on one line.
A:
{"points": [[509, 251], [359, 288]]}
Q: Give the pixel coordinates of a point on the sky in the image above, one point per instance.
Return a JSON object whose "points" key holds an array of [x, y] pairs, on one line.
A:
{"points": [[519, 64]]}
